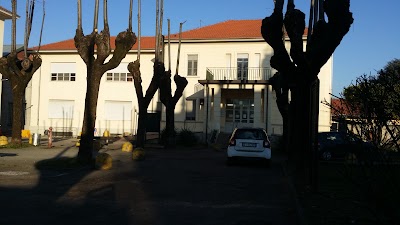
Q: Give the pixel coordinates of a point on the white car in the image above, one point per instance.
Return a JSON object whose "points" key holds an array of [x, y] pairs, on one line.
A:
{"points": [[249, 143]]}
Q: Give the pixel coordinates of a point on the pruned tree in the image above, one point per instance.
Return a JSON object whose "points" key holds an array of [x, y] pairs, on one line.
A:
{"points": [[19, 70], [96, 67], [298, 71], [134, 69], [166, 97]]}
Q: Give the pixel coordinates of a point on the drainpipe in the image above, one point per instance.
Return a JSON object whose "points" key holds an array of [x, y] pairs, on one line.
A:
{"points": [[267, 105], [38, 104], [207, 92]]}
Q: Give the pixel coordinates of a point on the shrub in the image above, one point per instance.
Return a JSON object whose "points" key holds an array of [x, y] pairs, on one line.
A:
{"points": [[187, 137], [163, 135]]}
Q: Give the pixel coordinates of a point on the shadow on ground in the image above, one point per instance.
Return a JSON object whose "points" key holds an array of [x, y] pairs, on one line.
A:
{"points": [[175, 186]]}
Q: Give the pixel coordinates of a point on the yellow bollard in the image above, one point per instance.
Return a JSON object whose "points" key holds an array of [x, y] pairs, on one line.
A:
{"points": [[106, 133], [25, 133], [127, 147], [103, 161], [3, 140], [30, 139], [139, 154]]}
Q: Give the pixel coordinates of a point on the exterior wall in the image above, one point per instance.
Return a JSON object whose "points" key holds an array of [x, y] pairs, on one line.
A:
{"points": [[213, 54], [44, 90], [1, 76], [216, 55], [210, 54], [325, 78]]}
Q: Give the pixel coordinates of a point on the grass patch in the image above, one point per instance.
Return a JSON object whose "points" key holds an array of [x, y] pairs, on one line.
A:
{"points": [[16, 146], [61, 163]]}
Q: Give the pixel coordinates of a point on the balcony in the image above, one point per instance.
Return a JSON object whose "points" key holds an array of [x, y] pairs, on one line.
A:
{"points": [[236, 74]]}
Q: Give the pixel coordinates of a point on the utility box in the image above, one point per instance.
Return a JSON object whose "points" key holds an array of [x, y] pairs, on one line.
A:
{"points": [[36, 139]]}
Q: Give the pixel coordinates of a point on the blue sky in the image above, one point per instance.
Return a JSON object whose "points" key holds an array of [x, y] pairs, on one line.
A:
{"points": [[372, 41]]}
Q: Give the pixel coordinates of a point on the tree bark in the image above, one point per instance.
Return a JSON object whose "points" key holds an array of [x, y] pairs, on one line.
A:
{"points": [[144, 100], [18, 95], [299, 72], [96, 67], [19, 73], [170, 102]]}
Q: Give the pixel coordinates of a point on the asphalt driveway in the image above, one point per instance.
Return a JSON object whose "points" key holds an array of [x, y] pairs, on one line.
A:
{"points": [[171, 187]]}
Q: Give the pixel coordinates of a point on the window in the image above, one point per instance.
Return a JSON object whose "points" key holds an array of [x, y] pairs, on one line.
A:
{"points": [[191, 110], [192, 65], [109, 76], [240, 110], [63, 77], [129, 77], [63, 71], [122, 77], [242, 66]]}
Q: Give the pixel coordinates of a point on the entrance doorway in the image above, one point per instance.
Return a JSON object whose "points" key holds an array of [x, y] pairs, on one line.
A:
{"points": [[239, 113]]}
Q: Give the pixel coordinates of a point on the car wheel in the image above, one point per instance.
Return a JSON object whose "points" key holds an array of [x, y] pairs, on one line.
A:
{"points": [[351, 158], [326, 156]]}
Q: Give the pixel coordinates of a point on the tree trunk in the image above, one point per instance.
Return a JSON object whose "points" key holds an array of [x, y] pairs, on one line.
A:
{"points": [[18, 94], [170, 102], [300, 70], [144, 100], [86, 151], [141, 130], [300, 144], [170, 125]]}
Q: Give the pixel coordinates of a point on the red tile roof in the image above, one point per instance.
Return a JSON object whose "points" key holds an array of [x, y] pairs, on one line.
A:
{"points": [[145, 42], [231, 29], [6, 11], [339, 107]]}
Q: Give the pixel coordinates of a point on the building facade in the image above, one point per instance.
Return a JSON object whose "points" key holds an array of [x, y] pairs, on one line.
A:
{"points": [[4, 100], [226, 65]]}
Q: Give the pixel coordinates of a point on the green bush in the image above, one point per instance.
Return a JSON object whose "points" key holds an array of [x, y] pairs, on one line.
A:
{"points": [[163, 135], [187, 137]]}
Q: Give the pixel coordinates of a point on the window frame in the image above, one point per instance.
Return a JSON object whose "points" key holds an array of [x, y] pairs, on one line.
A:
{"points": [[63, 77], [119, 77], [192, 65], [191, 115]]}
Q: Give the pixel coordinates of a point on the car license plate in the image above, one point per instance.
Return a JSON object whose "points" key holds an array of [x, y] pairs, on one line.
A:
{"points": [[247, 144]]}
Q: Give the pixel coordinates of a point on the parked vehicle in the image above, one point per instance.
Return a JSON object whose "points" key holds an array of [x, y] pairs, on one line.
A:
{"points": [[250, 143], [340, 145]]}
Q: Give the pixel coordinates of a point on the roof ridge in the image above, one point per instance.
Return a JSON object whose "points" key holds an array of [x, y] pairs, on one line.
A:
{"points": [[217, 24]]}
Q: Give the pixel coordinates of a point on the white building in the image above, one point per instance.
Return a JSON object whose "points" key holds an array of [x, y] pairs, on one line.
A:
{"points": [[4, 15], [226, 65]]}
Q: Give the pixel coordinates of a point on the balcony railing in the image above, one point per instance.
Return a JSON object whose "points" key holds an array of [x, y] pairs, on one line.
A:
{"points": [[231, 73]]}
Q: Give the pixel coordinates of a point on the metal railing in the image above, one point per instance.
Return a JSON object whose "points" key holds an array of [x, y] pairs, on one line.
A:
{"points": [[233, 73]]}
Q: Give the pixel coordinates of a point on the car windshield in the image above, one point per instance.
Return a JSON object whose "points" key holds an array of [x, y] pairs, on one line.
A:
{"points": [[330, 137], [250, 134], [337, 137]]}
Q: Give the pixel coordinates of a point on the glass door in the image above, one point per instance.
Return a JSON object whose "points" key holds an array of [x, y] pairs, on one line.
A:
{"points": [[242, 66], [239, 113]]}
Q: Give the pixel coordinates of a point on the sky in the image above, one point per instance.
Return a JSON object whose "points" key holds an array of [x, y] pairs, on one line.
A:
{"points": [[373, 39]]}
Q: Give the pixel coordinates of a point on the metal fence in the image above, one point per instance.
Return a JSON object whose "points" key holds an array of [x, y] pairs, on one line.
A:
{"points": [[230, 73]]}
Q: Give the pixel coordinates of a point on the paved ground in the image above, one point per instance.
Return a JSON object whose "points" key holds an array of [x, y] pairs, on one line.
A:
{"points": [[180, 186]]}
